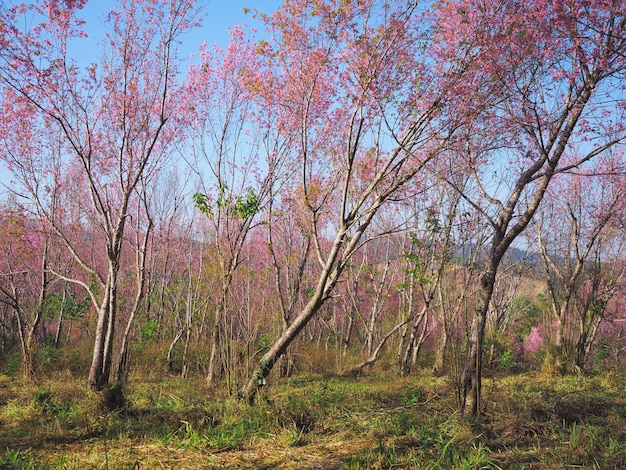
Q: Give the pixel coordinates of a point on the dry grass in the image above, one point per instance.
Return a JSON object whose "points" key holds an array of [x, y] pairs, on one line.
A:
{"points": [[530, 421]]}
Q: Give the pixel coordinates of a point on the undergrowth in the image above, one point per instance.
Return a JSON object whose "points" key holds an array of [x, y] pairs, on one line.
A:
{"points": [[529, 421]]}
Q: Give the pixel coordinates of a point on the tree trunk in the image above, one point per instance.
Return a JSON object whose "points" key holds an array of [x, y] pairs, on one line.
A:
{"points": [[217, 357], [472, 375], [101, 361], [419, 342], [57, 335], [184, 373], [170, 352], [27, 361], [348, 333], [324, 287], [375, 354], [559, 352], [110, 332], [123, 362], [406, 357], [97, 381], [213, 370], [586, 338], [440, 355], [285, 366]]}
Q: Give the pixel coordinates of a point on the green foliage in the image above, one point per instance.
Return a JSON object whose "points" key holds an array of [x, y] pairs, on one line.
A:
{"points": [[62, 412], [262, 372], [410, 395], [149, 330], [20, 459], [47, 355], [202, 204], [243, 206], [415, 268], [506, 361], [247, 204], [114, 398], [602, 350], [263, 342], [13, 363], [499, 349], [308, 292], [222, 201], [42, 399], [532, 314], [72, 309], [432, 221]]}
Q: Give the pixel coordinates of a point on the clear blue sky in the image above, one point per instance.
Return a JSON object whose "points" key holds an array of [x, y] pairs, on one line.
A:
{"points": [[218, 17], [223, 14]]}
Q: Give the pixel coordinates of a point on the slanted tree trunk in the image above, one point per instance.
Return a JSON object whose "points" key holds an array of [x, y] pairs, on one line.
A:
{"points": [[419, 339], [406, 358], [258, 378], [375, 354], [170, 352], [327, 280], [57, 334]]}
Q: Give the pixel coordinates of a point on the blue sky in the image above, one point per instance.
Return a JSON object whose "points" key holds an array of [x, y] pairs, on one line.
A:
{"points": [[223, 14], [218, 17]]}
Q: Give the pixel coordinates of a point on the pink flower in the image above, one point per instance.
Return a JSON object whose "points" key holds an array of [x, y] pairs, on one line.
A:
{"points": [[533, 341]]}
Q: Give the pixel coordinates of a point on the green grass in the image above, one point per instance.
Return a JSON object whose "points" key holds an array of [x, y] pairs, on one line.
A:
{"points": [[529, 422]]}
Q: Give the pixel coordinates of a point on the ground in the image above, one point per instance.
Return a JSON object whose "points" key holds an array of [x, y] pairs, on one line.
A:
{"points": [[529, 421]]}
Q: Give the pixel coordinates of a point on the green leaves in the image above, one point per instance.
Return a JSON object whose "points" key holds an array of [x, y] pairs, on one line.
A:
{"points": [[242, 207], [247, 205], [71, 307], [201, 202]]}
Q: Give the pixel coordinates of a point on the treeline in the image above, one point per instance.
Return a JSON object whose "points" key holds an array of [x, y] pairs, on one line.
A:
{"points": [[356, 177]]}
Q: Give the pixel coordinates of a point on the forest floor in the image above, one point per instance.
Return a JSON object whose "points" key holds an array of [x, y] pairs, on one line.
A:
{"points": [[530, 421]]}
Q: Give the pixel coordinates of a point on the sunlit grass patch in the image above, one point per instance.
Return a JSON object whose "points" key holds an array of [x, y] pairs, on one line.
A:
{"points": [[377, 421]]}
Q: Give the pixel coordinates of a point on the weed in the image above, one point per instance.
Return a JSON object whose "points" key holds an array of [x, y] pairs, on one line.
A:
{"points": [[531, 421], [404, 421], [15, 459], [385, 456], [478, 457], [13, 364], [43, 400], [114, 398], [506, 361], [47, 356], [409, 395]]}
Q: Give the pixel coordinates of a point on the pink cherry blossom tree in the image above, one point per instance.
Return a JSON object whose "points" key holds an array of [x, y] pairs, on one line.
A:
{"points": [[24, 277], [576, 235], [354, 86], [238, 166], [544, 77], [108, 124]]}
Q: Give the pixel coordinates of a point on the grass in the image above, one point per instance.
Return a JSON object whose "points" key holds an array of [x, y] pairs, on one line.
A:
{"points": [[530, 421]]}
